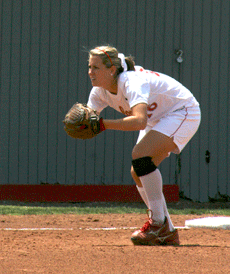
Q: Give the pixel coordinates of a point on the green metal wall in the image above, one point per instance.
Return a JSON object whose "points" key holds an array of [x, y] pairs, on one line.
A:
{"points": [[43, 72]]}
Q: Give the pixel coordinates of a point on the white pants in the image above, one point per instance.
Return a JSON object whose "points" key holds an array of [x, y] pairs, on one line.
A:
{"points": [[181, 125]]}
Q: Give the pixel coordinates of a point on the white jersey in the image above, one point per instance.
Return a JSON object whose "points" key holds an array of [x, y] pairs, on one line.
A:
{"points": [[160, 92]]}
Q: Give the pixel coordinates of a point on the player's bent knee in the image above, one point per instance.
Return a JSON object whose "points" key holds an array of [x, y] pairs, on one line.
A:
{"points": [[143, 166]]}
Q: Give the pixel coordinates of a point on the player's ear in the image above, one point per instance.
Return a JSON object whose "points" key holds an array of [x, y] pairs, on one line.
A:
{"points": [[113, 70]]}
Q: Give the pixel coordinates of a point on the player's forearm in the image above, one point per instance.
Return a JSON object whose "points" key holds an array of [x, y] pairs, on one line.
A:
{"points": [[130, 123]]}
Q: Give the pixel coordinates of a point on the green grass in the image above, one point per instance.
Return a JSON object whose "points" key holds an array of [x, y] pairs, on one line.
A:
{"points": [[181, 208], [71, 209]]}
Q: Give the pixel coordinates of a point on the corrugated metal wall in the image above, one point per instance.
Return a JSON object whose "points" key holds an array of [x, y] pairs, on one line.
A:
{"points": [[44, 71], [206, 71]]}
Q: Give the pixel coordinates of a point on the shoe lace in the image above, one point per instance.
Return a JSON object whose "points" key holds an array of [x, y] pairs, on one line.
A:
{"points": [[148, 224], [149, 213], [145, 227]]}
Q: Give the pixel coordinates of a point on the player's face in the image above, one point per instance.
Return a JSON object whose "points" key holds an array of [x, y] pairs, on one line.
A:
{"points": [[99, 74]]}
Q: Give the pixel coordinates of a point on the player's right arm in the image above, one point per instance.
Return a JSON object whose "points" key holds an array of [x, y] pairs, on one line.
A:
{"points": [[136, 121]]}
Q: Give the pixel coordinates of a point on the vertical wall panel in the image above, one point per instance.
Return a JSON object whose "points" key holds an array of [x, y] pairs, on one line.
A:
{"points": [[191, 43], [203, 72], [6, 57], [14, 91], [204, 102], [62, 89], [43, 72], [24, 94], [82, 28], [54, 62], [33, 119], [71, 90], [43, 103], [196, 61], [214, 98], [224, 100]]}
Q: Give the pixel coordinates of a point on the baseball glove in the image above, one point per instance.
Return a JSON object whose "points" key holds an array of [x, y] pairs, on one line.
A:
{"points": [[82, 122]]}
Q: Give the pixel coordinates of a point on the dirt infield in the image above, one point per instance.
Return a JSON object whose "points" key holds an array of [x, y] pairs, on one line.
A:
{"points": [[77, 244]]}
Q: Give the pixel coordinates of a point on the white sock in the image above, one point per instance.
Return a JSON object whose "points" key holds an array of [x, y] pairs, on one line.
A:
{"points": [[143, 195], [152, 184], [171, 226]]}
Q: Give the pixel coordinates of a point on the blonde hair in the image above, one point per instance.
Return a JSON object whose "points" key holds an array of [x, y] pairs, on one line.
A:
{"points": [[109, 56]]}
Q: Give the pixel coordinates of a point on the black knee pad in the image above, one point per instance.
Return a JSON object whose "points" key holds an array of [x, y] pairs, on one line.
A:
{"points": [[143, 166]]}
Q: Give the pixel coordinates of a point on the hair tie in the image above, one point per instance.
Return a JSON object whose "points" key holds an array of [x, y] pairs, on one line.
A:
{"points": [[107, 55], [123, 63]]}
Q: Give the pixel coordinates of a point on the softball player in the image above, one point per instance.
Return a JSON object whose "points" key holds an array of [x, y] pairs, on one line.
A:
{"points": [[167, 116]]}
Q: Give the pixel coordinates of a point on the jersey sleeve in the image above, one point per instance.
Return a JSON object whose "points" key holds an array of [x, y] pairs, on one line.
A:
{"points": [[96, 101]]}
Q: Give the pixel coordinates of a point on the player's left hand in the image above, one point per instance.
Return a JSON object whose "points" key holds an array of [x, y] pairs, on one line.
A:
{"points": [[82, 122]]}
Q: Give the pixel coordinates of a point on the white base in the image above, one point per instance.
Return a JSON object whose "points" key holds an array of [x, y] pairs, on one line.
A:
{"points": [[210, 222]]}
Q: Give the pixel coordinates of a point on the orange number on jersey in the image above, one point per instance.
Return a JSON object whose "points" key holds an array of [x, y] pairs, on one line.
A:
{"points": [[151, 107]]}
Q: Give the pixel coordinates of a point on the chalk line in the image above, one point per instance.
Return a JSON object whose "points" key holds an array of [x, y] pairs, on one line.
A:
{"points": [[125, 228], [80, 228], [36, 228]]}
